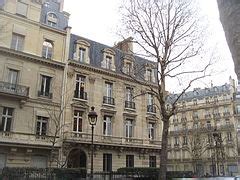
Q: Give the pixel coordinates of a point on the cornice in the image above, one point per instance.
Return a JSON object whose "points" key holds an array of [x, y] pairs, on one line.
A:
{"points": [[104, 72], [32, 58]]}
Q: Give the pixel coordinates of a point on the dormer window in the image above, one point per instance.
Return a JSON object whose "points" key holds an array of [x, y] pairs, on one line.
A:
{"points": [[52, 19], [47, 49], [128, 63], [149, 73], [108, 61], [82, 54], [82, 51]]}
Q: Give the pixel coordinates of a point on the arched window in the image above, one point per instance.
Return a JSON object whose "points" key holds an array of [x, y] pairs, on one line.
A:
{"points": [[52, 19], [47, 49]]}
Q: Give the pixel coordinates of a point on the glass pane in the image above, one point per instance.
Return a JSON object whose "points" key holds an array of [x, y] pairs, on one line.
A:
{"points": [[8, 125], [12, 76]]}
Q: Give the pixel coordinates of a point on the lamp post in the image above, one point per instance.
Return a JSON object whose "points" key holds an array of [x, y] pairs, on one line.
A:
{"points": [[92, 118]]}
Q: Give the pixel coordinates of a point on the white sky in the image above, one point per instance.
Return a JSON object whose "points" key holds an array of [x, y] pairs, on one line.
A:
{"points": [[99, 20]]}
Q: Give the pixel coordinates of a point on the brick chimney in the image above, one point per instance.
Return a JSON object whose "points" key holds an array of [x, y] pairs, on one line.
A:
{"points": [[126, 45]]}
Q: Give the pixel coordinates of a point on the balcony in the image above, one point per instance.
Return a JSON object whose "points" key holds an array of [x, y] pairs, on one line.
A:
{"points": [[130, 104], [110, 140], [151, 109], [26, 139], [14, 90], [45, 94], [108, 100], [80, 95]]}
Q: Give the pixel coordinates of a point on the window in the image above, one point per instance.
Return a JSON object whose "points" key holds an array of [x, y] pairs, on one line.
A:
{"points": [[107, 126], [108, 98], [149, 75], [108, 61], [128, 68], [17, 42], [77, 124], [209, 124], [229, 136], [47, 49], [195, 115], [39, 161], [185, 140], [7, 118], [129, 128], [129, 94], [42, 125], [80, 87], [233, 168], [152, 161], [151, 133], [107, 162], [195, 125], [129, 160], [52, 19], [238, 109], [45, 86], [150, 102], [82, 54], [194, 101], [176, 139], [12, 76], [21, 8]]}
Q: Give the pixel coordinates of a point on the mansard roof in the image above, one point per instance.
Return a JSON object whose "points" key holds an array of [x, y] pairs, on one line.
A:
{"points": [[96, 50], [199, 93]]}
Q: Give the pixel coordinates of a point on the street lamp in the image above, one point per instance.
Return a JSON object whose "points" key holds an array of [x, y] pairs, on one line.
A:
{"points": [[92, 118]]}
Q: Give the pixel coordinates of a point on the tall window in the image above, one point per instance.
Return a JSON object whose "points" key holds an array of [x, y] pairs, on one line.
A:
{"points": [[229, 136], [17, 42], [12, 76], [42, 125], [185, 140], [129, 128], [176, 139], [209, 124], [7, 117], [109, 89], [21, 8], [108, 60], [151, 132], [107, 162], [47, 49], [52, 19], [129, 160], [152, 161], [45, 86], [77, 124], [82, 54], [129, 94], [80, 86], [149, 75], [107, 125], [149, 99]]}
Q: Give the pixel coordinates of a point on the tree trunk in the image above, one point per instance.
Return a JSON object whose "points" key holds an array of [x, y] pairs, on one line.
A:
{"points": [[164, 150]]}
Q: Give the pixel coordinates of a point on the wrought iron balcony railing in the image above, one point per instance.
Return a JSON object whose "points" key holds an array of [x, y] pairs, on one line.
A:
{"points": [[130, 104], [151, 109], [108, 100], [14, 89], [45, 94], [80, 95]]}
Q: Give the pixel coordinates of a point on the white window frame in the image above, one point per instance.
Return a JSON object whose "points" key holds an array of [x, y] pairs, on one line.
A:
{"points": [[47, 49], [8, 116], [82, 54], [129, 94], [44, 83], [77, 117], [13, 76], [107, 126], [42, 120], [151, 130], [129, 127], [19, 44], [109, 89]]}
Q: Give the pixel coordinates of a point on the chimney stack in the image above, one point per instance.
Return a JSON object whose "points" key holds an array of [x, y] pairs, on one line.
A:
{"points": [[126, 45]]}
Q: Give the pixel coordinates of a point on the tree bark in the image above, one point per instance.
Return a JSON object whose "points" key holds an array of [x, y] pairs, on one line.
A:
{"points": [[164, 150]]}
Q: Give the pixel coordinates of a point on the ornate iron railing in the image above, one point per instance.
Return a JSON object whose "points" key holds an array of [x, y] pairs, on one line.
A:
{"points": [[108, 100], [80, 95], [14, 89], [151, 109], [130, 104]]}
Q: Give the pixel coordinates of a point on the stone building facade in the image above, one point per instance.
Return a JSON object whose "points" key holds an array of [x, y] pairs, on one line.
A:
{"points": [[203, 133], [49, 79]]}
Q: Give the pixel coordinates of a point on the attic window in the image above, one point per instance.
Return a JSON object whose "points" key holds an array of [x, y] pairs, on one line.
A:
{"points": [[52, 19], [82, 51], [108, 61]]}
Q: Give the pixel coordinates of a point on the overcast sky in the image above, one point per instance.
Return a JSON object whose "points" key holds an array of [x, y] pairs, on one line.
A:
{"points": [[99, 20]]}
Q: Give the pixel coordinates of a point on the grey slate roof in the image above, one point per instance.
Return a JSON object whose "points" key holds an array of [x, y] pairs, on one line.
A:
{"points": [[96, 55], [202, 93], [54, 7]]}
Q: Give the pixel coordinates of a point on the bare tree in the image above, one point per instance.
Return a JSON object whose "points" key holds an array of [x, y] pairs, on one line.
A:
{"points": [[166, 32]]}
